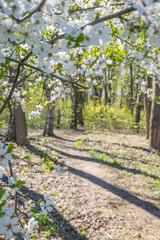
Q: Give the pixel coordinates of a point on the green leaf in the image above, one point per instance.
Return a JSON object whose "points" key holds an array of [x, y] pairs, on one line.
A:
{"points": [[2, 192], [2, 204], [17, 184], [10, 148], [79, 39], [39, 201], [13, 186], [20, 183]]}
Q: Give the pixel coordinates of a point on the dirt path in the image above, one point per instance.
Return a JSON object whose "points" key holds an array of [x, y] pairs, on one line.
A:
{"points": [[112, 209], [99, 199]]}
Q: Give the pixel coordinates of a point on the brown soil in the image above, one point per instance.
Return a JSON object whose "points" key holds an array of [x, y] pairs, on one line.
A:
{"points": [[109, 191]]}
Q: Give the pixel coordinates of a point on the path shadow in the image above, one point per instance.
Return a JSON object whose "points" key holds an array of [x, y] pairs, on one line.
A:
{"points": [[41, 153], [134, 147], [145, 205], [66, 231], [54, 136], [110, 164]]}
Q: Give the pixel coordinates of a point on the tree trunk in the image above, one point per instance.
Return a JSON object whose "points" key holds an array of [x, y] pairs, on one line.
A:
{"points": [[131, 87], [155, 119], [11, 134], [21, 126], [59, 115], [48, 130], [109, 86], [17, 129], [80, 108], [74, 109], [148, 109], [138, 107]]}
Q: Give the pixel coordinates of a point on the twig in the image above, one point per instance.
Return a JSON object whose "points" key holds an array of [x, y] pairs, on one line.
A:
{"points": [[27, 198], [84, 9], [48, 74], [16, 204], [99, 20], [111, 16], [12, 89], [124, 40], [10, 168], [25, 78], [31, 13]]}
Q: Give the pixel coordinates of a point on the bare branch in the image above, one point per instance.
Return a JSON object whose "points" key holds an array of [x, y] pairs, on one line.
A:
{"points": [[49, 74]]}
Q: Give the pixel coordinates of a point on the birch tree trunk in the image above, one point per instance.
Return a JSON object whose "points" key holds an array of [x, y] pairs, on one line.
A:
{"points": [[48, 129]]}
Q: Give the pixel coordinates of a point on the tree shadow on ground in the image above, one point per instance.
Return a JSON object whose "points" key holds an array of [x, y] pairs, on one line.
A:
{"points": [[65, 230], [54, 136], [105, 162], [138, 148], [145, 205]]}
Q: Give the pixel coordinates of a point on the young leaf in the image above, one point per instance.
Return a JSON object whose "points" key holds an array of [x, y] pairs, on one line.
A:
{"points": [[2, 204], [10, 148], [2, 192]]}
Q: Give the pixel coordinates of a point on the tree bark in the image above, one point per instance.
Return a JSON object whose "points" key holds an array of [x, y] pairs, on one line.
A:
{"points": [[131, 87], [155, 119], [148, 109], [17, 129], [80, 108], [21, 126], [138, 107], [59, 115], [74, 109], [48, 129], [11, 134]]}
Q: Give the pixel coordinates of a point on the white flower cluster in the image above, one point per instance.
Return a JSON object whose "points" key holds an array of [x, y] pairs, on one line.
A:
{"points": [[10, 224], [29, 228], [5, 157], [36, 113], [47, 205]]}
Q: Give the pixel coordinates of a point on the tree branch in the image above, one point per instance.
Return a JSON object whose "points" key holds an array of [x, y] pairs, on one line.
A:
{"points": [[92, 8], [31, 13], [25, 78], [12, 89], [49, 74], [99, 20], [111, 16], [84, 9]]}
